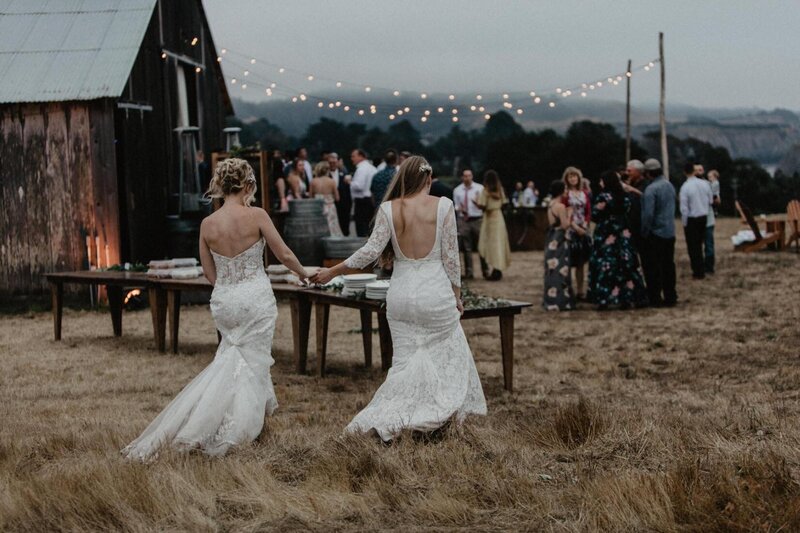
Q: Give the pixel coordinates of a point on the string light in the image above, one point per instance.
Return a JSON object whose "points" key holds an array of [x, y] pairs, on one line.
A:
{"points": [[294, 99], [478, 97], [440, 109], [246, 72], [533, 93], [281, 70], [427, 112], [505, 96], [519, 111], [244, 86], [163, 55], [552, 104], [472, 108], [423, 96], [455, 111], [406, 109], [223, 51], [481, 109], [391, 117], [233, 81], [400, 112], [396, 93], [347, 108], [424, 119], [487, 116], [331, 105], [455, 119], [219, 58], [303, 97], [452, 97], [310, 78], [537, 100], [320, 104], [252, 61], [198, 70], [338, 84], [194, 41], [367, 89]]}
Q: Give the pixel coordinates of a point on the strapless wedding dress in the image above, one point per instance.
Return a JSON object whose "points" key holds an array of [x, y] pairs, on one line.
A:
{"points": [[225, 404]]}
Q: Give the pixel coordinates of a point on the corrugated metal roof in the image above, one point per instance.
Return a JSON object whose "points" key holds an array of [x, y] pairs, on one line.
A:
{"points": [[55, 50]]}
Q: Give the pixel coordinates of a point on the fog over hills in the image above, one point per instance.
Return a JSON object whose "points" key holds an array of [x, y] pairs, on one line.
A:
{"points": [[767, 136]]}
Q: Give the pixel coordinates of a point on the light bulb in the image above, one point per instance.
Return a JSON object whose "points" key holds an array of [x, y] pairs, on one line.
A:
{"points": [[629, 74], [396, 93], [440, 109], [163, 55], [233, 80], [252, 61], [223, 51], [273, 85], [427, 112], [552, 104], [367, 89], [455, 119], [423, 96], [338, 84], [455, 111], [533, 93], [452, 97], [391, 117], [198, 70], [537, 100], [479, 97], [338, 104], [331, 105], [194, 41], [361, 112], [481, 109], [583, 94], [519, 111], [406, 109], [246, 72], [505, 96], [244, 86], [346, 108], [487, 116], [399, 111], [558, 90], [294, 99], [424, 119], [303, 97], [320, 104], [472, 108], [281, 70], [219, 58]]}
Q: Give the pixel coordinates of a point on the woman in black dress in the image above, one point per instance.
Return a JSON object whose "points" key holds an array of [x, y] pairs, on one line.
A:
{"points": [[614, 273]]}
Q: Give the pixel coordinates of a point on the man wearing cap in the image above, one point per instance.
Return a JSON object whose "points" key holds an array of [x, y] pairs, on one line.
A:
{"points": [[658, 236]]}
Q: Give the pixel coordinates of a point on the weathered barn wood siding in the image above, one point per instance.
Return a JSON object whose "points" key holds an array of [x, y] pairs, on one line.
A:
{"points": [[52, 193]]}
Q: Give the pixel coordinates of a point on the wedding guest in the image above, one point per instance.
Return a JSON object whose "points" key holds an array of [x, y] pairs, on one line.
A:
{"points": [[295, 182], [708, 245], [300, 155], [440, 189], [493, 243], [323, 186], [364, 208], [614, 267], [203, 170], [580, 244], [516, 196], [345, 203], [713, 180], [530, 196], [639, 181], [469, 219], [383, 177], [658, 235], [695, 201], [558, 295]]}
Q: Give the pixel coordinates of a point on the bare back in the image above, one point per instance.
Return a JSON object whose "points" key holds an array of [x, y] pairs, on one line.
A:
{"points": [[415, 224], [323, 185], [231, 230]]}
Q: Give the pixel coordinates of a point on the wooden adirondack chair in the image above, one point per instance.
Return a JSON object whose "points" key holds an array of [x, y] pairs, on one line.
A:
{"points": [[762, 241], [793, 224]]}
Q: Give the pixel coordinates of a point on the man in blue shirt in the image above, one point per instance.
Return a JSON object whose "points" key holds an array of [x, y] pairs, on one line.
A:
{"points": [[382, 179], [658, 236]]}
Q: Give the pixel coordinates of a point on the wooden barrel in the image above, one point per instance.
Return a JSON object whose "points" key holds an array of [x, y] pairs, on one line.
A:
{"points": [[304, 229]]}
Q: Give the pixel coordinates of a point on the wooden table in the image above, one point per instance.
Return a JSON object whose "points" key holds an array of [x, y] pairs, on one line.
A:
{"points": [[165, 306], [114, 281], [323, 300]]}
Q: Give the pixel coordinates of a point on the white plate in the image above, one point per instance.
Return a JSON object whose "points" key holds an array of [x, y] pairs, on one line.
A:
{"points": [[360, 277]]}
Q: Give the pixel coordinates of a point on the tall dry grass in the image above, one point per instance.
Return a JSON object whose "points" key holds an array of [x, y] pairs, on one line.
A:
{"points": [[681, 419]]}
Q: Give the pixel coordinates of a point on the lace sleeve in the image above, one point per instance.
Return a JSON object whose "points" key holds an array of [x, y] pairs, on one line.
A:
{"points": [[450, 258], [370, 252]]}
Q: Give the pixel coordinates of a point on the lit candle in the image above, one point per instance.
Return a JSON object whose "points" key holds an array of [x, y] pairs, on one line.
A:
{"points": [[97, 244], [89, 251], [108, 259]]}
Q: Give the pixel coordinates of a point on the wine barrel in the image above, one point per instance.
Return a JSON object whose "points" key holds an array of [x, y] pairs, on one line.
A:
{"points": [[342, 247], [304, 229]]}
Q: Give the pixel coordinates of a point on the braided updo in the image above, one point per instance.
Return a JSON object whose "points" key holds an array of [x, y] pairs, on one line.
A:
{"points": [[230, 177]]}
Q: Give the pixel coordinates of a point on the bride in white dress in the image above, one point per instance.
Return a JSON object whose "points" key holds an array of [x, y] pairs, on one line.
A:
{"points": [[433, 378], [225, 404]]}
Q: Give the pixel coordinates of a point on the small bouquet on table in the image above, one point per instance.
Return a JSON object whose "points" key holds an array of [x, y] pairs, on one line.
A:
{"points": [[179, 268]]}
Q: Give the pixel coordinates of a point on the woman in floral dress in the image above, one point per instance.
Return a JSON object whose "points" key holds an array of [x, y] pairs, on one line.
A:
{"points": [[614, 273], [558, 294]]}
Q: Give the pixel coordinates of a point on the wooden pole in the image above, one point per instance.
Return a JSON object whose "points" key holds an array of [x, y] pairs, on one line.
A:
{"points": [[628, 116], [661, 108]]}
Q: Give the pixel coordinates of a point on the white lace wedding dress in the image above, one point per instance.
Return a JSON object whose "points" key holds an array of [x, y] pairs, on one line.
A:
{"points": [[225, 404], [433, 377]]}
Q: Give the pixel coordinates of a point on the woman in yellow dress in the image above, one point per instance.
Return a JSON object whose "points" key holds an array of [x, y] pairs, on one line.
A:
{"points": [[493, 242]]}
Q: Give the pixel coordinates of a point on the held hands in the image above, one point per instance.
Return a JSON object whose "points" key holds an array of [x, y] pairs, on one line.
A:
{"points": [[323, 276]]}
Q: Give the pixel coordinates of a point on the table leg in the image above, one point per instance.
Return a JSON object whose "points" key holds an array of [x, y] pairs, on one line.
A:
{"points": [[158, 312], [301, 322], [57, 295], [387, 349], [366, 335], [323, 314], [507, 343], [114, 293], [174, 315]]}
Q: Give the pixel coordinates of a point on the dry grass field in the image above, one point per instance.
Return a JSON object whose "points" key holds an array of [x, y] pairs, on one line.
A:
{"points": [[683, 419]]}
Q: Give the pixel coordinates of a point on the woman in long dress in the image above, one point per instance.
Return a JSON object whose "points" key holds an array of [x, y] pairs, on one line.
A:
{"points": [[323, 186], [433, 378], [614, 267], [558, 295], [225, 404], [493, 240], [577, 199]]}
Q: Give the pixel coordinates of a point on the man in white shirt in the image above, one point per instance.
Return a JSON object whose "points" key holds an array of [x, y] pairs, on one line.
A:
{"points": [[359, 190], [530, 196], [696, 200], [469, 218]]}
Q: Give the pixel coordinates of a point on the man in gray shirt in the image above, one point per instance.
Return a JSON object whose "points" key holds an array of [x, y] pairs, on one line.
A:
{"points": [[658, 236]]}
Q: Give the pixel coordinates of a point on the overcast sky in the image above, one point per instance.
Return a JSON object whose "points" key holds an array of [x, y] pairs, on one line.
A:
{"points": [[719, 53]]}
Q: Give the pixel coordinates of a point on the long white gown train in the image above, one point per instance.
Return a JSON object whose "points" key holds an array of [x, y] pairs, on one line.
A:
{"points": [[225, 404], [433, 376]]}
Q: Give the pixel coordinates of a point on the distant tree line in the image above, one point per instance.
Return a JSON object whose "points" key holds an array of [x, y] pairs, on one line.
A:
{"points": [[519, 155]]}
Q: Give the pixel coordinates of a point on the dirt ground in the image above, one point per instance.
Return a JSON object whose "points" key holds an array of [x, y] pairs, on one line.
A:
{"points": [[682, 419]]}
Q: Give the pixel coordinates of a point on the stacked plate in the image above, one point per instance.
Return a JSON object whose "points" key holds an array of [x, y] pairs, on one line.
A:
{"points": [[277, 273], [377, 290], [356, 283]]}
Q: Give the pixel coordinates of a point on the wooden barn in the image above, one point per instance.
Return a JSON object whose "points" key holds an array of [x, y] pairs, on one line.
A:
{"points": [[102, 107]]}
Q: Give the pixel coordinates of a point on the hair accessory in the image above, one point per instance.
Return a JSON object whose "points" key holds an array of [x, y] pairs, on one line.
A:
{"points": [[425, 168]]}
